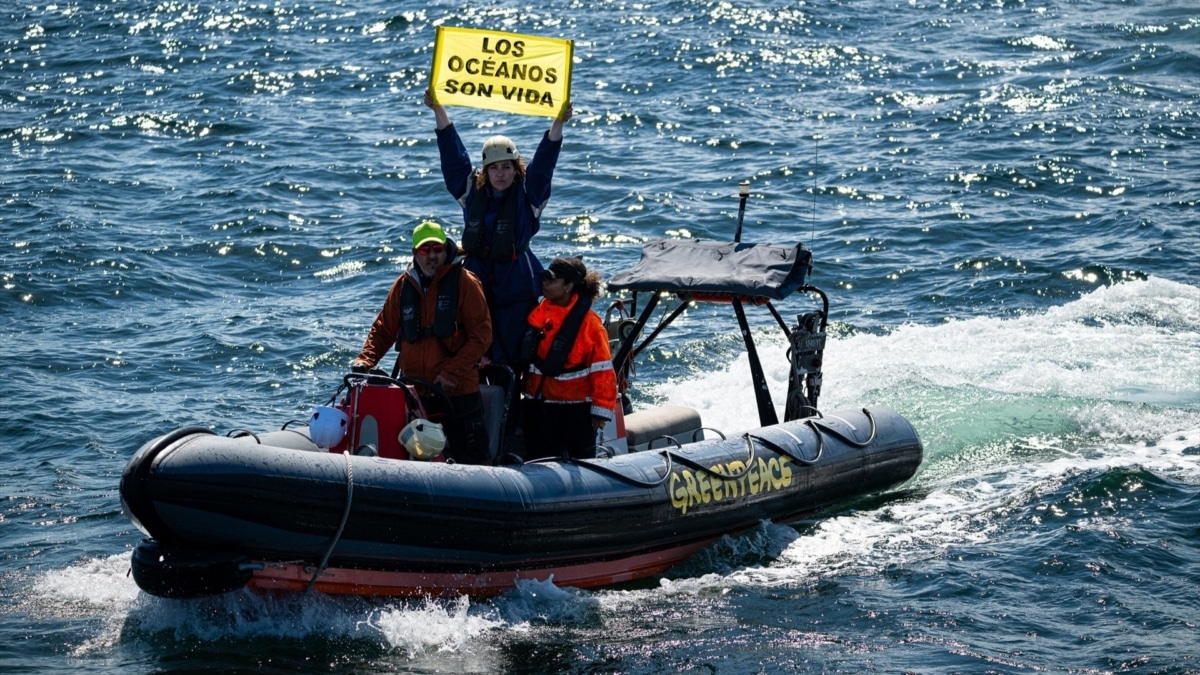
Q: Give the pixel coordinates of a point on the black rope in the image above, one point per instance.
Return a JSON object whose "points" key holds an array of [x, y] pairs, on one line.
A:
{"points": [[784, 451], [846, 439], [713, 472], [613, 473], [341, 526], [671, 458], [242, 433]]}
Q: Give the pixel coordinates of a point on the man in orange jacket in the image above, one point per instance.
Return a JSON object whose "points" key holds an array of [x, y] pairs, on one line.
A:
{"points": [[570, 387], [436, 315]]}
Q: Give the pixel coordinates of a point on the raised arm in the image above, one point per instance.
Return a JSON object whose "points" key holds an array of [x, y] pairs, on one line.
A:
{"points": [[441, 117], [456, 163], [556, 128]]}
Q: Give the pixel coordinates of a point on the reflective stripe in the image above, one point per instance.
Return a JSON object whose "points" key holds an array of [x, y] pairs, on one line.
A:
{"points": [[598, 367], [575, 375]]}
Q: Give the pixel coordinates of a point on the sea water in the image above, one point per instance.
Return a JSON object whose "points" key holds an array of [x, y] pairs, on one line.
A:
{"points": [[204, 204]]}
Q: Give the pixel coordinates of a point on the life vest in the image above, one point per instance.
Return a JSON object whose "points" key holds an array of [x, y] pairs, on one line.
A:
{"points": [[583, 337], [445, 323], [503, 247], [564, 339]]}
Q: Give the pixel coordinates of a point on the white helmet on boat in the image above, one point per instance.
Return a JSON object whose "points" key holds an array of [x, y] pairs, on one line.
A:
{"points": [[327, 426], [423, 439], [498, 148]]}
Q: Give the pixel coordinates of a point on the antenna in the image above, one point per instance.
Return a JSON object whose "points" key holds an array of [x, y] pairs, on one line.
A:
{"points": [[816, 151]]}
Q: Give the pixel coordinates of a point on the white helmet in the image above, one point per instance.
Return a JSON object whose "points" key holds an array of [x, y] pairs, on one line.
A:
{"points": [[499, 148], [327, 426], [423, 439]]}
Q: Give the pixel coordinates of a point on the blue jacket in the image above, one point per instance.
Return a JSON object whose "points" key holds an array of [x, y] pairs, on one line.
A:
{"points": [[509, 283]]}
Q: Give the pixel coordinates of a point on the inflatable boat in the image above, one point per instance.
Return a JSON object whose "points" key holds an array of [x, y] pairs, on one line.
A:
{"points": [[276, 511]]}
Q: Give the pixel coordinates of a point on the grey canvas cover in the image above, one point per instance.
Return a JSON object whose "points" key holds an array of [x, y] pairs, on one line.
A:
{"points": [[697, 266]]}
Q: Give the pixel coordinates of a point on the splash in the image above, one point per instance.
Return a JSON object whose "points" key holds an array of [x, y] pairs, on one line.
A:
{"points": [[541, 603], [89, 584], [432, 625]]}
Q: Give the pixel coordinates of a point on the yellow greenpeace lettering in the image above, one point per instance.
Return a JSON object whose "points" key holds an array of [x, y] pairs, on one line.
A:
{"points": [[522, 74], [689, 488]]}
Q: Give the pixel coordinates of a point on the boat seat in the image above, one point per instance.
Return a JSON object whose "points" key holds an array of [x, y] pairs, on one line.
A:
{"points": [[643, 428], [497, 387], [294, 438], [493, 415]]}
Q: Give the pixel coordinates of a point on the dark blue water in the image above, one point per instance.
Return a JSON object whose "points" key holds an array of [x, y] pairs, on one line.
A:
{"points": [[203, 205]]}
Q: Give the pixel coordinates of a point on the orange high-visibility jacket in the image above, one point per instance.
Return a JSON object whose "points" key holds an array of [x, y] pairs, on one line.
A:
{"points": [[588, 374]]}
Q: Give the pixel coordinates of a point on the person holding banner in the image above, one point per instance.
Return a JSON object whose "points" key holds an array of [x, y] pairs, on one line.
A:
{"points": [[502, 201]]}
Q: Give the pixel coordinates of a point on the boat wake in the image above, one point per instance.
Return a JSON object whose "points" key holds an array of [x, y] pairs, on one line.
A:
{"points": [[1010, 411]]}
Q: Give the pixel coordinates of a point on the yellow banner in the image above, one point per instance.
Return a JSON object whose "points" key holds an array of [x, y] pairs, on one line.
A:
{"points": [[522, 74]]}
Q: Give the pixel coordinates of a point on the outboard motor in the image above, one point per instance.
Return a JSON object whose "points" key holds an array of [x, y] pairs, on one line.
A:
{"points": [[806, 354]]}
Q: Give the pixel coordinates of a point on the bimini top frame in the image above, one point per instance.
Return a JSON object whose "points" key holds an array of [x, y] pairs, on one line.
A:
{"points": [[737, 273]]}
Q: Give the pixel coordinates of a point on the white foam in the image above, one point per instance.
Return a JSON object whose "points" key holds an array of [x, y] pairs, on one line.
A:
{"points": [[455, 632], [91, 583], [1137, 342], [444, 626], [1007, 408], [1133, 343], [101, 588], [960, 511]]}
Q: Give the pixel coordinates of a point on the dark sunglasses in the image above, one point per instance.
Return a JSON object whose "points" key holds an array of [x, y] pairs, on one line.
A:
{"points": [[431, 248]]}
